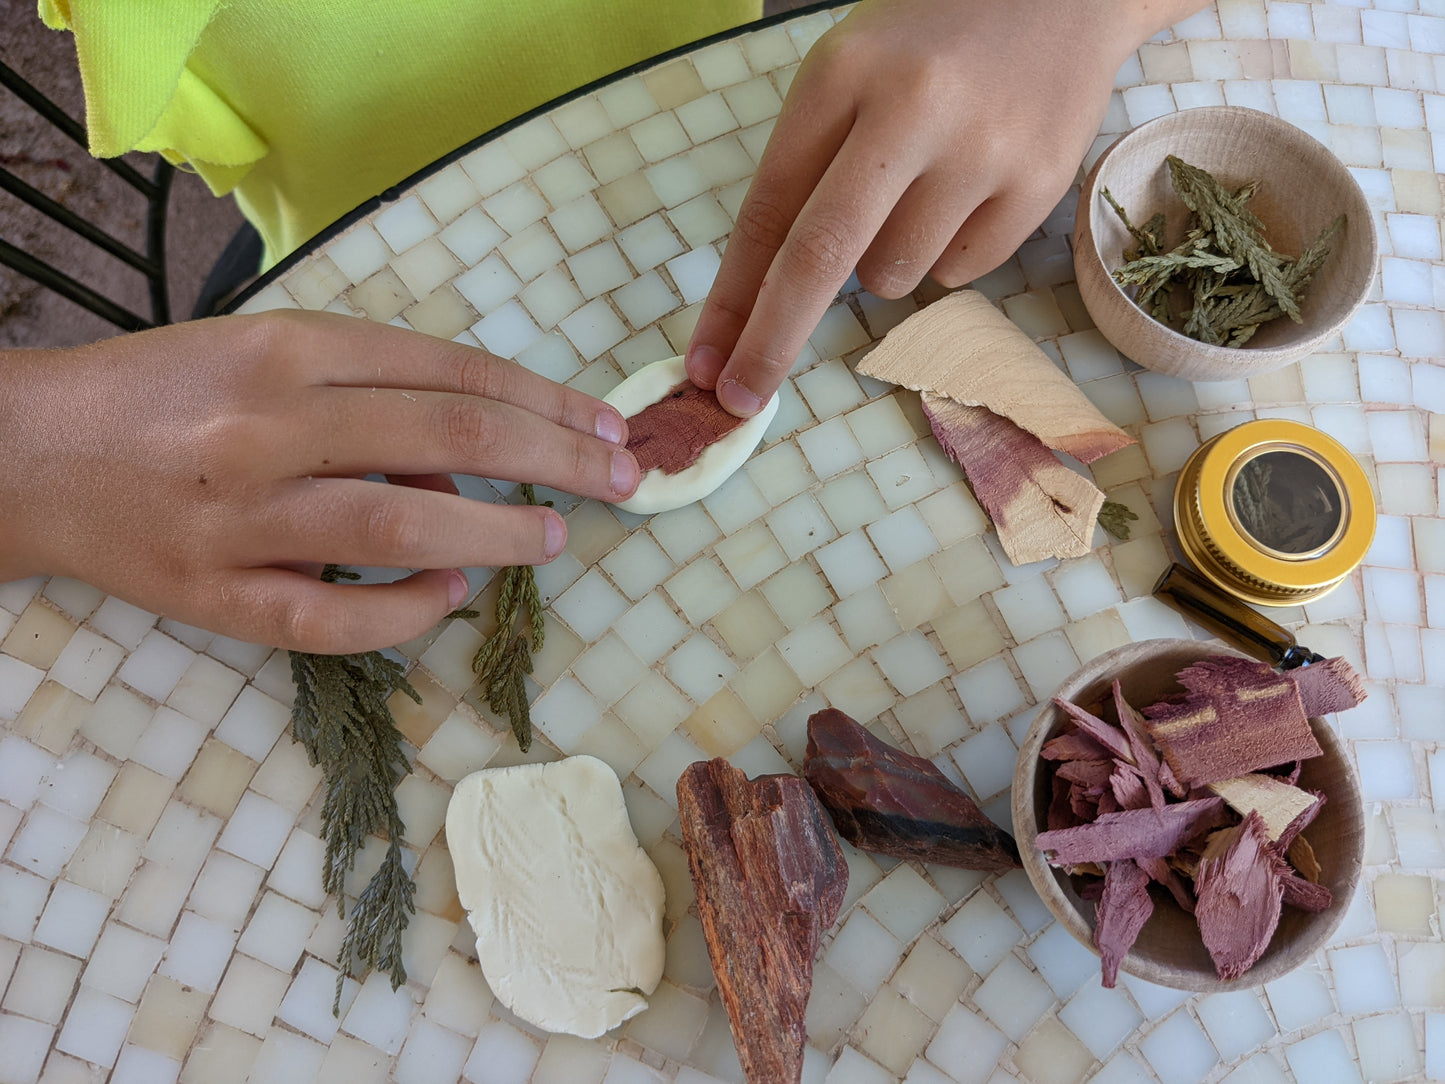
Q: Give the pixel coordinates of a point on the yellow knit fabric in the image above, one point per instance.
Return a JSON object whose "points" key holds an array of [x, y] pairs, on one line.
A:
{"points": [[306, 108]]}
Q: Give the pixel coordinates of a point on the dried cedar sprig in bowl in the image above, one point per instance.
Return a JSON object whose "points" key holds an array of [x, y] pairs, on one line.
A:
{"points": [[1239, 206]]}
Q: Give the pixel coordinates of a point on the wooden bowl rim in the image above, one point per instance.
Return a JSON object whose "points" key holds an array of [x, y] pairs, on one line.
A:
{"points": [[1277, 960]]}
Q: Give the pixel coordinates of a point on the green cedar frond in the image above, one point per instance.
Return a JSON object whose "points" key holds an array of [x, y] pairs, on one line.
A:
{"points": [[506, 655], [1224, 280], [1115, 517], [342, 720]]}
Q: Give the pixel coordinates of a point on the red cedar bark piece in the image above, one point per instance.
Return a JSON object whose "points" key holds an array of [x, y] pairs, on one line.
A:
{"points": [[1075, 745], [1142, 746], [1110, 737], [1122, 911], [1061, 809], [671, 433], [884, 800], [1305, 894], [1239, 887], [1238, 716], [1091, 775], [1329, 686], [1133, 833], [1084, 807], [1127, 786], [1039, 507], [1160, 870], [770, 879]]}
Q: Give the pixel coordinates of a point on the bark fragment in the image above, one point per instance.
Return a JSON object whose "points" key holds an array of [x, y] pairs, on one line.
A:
{"points": [[1329, 686], [1240, 886], [1122, 911], [671, 433], [1133, 833], [1039, 507], [963, 349], [1237, 717], [770, 879]]}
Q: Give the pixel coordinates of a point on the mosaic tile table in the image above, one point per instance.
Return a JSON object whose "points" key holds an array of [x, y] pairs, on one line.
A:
{"points": [[160, 914]]}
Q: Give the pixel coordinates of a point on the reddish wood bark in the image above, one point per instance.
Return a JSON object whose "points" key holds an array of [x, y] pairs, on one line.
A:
{"points": [[671, 433], [884, 800], [769, 878]]}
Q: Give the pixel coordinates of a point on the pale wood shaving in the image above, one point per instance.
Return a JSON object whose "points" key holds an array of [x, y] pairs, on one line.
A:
{"points": [[963, 349]]}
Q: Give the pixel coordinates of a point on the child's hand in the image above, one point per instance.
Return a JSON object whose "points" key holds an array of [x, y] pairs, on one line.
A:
{"points": [[919, 136], [198, 469]]}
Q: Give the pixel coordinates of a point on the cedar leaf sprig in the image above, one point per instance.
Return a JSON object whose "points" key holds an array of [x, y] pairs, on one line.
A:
{"points": [[505, 658], [1233, 280], [1115, 517], [342, 720]]}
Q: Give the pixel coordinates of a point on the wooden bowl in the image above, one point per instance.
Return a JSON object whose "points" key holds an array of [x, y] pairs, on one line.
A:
{"points": [[1169, 950], [1302, 187]]}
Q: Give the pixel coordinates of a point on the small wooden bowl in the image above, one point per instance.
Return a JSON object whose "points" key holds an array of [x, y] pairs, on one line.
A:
{"points": [[1302, 187], [1169, 950]]}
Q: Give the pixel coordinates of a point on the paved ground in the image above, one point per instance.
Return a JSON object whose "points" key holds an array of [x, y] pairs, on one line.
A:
{"points": [[198, 224]]}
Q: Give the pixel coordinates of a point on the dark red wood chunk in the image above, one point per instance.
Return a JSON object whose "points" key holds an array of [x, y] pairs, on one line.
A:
{"points": [[887, 801], [770, 879]]}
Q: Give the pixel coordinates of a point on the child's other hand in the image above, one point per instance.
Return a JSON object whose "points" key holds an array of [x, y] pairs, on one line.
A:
{"points": [[919, 136], [206, 470]]}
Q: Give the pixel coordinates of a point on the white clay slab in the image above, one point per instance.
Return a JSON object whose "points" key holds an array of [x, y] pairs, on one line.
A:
{"points": [[566, 906], [660, 492]]}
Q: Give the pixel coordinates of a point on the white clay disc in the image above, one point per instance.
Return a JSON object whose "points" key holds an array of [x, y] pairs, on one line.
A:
{"points": [[660, 492]]}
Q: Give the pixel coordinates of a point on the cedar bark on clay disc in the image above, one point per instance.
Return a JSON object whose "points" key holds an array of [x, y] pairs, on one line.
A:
{"points": [[770, 879]]}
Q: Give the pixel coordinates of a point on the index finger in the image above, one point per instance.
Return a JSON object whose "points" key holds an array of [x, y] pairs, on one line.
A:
{"points": [[834, 227], [347, 352], [777, 195]]}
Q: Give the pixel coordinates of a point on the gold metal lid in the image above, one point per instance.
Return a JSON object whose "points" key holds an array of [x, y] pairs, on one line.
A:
{"points": [[1274, 511]]}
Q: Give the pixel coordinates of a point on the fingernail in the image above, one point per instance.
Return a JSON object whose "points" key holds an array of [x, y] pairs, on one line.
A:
{"points": [[624, 473], [738, 399], [554, 534], [609, 426], [457, 588], [704, 364]]}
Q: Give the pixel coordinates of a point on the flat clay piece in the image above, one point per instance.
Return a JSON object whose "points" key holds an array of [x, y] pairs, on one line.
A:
{"points": [[709, 465], [1039, 507], [770, 879], [566, 906], [887, 801], [963, 349]]}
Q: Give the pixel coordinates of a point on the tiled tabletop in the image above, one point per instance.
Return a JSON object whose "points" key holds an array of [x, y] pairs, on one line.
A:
{"points": [[160, 909]]}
